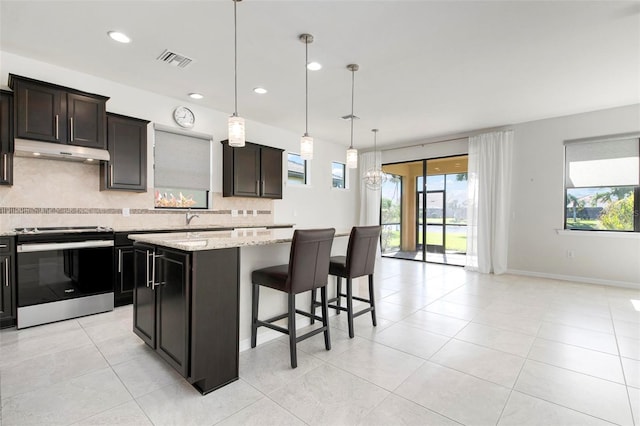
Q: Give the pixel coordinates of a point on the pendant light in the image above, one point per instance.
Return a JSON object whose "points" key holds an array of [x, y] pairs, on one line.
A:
{"points": [[236, 123], [352, 153], [306, 142], [374, 177]]}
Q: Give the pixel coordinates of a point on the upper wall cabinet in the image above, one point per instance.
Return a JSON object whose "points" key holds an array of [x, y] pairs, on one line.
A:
{"points": [[6, 138], [51, 113], [127, 145], [251, 171]]}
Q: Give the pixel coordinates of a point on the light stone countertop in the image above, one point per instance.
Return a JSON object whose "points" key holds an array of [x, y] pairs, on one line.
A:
{"points": [[211, 240]]}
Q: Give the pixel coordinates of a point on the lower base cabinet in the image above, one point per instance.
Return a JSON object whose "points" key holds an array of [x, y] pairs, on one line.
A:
{"points": [[186, 307], [7, 283]]}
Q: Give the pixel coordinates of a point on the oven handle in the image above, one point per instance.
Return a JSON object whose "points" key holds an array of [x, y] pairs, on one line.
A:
{"points": [[30, 248]]}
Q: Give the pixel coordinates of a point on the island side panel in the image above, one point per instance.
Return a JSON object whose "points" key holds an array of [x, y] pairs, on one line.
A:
{"points": [[214, 318]]}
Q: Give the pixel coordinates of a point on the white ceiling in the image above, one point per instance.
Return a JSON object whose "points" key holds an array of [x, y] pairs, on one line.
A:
{"points": [[427, 68]]}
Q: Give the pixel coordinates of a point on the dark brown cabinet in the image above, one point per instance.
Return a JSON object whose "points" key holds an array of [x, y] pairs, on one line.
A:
{"points": [[123, 270], [127, 145], [251, 171], [186, 307], [51, 113], [8, 283], [6, 138]]}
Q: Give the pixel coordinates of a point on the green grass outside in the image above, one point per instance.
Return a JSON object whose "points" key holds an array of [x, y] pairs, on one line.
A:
{"points": [[455, 242]]}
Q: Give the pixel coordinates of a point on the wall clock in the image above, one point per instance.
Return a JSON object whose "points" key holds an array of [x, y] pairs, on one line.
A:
{"points": [[184, 117]]}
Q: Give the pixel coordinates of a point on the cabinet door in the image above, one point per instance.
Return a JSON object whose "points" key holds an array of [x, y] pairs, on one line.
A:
{"points": [[41, 112], [87, 118], [127, 145], [271, 172], [144, 297], [246, 171], [7, 299], [173, 309], [6, 138], [125, 278]]}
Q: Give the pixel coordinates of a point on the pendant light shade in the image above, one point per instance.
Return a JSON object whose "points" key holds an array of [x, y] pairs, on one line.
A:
{"points": [[352, 153], [374, 177], [236, 123], [306, 142], [352, 158]]}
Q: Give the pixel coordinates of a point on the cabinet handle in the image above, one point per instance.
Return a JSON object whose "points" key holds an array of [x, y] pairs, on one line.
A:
{"points": [[262, 187], [71, 127], [3, 246], [147, 274], [57, 127], [119, 260], [258, 187], [111, 174], [154, 284], [6, 272], [4, 171]]}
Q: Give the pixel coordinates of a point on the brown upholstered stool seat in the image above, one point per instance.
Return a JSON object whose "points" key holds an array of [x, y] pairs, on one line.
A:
{"points": [[308, 270], [338, 266]]}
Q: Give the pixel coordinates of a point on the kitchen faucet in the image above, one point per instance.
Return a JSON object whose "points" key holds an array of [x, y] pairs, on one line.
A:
{"points": [[190, 216]]}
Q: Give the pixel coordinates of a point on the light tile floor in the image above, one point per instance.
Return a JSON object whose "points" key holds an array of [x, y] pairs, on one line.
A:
{"points": [[451, 347]]}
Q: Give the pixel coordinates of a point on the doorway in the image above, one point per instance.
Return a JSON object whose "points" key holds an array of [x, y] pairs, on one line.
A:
{"points": [[423, 210]]}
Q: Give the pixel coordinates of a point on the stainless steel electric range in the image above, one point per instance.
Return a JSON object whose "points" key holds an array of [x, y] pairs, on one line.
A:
{"points": [[63, 273]]}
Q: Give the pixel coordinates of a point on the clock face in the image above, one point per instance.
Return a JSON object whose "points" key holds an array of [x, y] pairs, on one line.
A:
{"points": [[184, 116]]}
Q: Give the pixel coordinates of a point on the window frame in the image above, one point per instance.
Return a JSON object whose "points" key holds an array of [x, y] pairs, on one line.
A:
{"points": [[636, 189], [307, 172], [346, 176]]}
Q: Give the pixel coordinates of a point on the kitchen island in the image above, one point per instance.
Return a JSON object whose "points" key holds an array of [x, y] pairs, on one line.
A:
{"points": [[192, 298]]}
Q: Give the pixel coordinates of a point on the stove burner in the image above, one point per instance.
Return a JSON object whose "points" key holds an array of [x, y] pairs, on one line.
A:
{"points": [[62, 229]]}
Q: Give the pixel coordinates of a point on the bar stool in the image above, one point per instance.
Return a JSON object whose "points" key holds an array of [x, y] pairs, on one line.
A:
{"points": [[359, 261], [308, 270]]}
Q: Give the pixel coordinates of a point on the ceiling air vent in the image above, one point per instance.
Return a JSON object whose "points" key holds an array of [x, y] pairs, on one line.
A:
{"points": [[350, 117], [175, 59]]}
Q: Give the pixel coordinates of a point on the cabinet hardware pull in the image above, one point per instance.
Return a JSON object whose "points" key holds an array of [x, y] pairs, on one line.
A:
{"points": [[3, 246], [120, 261], [71, 127], [6, 272], [111, 174], [258, 187], [262, 187], [153, 271], [147, 274], [57, 127], [4, 171]]}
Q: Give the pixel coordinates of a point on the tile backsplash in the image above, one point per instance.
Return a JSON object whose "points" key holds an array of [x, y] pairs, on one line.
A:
{"points": [[62, 193]]}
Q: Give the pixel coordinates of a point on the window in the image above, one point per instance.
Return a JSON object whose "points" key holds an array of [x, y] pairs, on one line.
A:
{"points": [[338, 175], [296, 170], [602, 181], [182, 170]]}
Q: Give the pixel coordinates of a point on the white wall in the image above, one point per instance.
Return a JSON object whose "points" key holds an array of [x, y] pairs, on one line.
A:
{"points": [[538, 199], [318, 205]]}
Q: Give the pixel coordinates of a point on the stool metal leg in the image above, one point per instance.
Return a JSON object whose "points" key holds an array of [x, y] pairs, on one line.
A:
{"points": [[325, 317], [255, 295], [292, 330], [350, 307], [372, 301]]}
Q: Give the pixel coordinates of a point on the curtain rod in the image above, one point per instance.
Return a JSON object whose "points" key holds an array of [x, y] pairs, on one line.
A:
{"points": [[462, 136]]}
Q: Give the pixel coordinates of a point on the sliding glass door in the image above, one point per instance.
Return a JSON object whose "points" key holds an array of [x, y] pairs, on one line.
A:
{"points": [[427, 221]]}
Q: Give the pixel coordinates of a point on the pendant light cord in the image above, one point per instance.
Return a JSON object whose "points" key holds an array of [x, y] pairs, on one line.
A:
{"points": [[306, 87], [235, 56], [352, 116]]}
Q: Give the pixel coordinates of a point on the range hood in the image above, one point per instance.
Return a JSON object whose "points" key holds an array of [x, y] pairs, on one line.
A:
{"points": [[29, 148]]}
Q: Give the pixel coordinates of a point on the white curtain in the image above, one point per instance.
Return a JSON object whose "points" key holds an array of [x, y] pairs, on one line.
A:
{"points": [[489, 179], [369, 199]]}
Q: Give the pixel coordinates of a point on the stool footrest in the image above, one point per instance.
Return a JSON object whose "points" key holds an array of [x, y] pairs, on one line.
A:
{"points": [[364, 311], [342, 308], [276, 318], [311, 333], [272, 326]]}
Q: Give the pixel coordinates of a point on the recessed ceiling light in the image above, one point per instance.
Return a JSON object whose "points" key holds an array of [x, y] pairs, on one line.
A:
{"points": [[260, 90], [195, 96], [89, 160], [119, 37], [314, 66], [36, 153]]}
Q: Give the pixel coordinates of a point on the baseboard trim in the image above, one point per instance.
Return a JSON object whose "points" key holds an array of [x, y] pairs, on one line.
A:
{"points": [[587, 280]]}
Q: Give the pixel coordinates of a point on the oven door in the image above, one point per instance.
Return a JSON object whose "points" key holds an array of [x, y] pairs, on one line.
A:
{"points": [[51, 272]]}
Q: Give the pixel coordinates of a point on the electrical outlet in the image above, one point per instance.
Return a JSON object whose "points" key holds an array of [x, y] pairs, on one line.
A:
{"points": [[125, 211], [571, 254], [255, 213], [234, 213], [244, 213]]}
